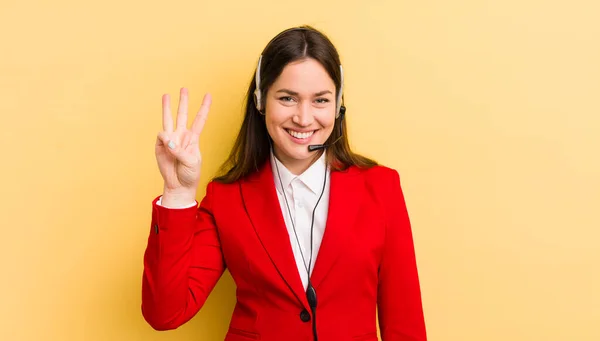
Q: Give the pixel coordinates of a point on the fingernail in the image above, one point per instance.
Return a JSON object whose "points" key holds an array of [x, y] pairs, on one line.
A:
{"points": [[171, 144]]}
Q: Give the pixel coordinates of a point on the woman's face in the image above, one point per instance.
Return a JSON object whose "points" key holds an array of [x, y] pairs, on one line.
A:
{"points": [[300, 110]]}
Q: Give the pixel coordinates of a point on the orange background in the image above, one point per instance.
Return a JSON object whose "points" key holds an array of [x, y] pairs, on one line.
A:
{"points": [[489, 109]]}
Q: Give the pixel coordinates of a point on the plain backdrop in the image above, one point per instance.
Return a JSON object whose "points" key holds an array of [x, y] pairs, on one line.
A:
{"points": [[489, 110]]}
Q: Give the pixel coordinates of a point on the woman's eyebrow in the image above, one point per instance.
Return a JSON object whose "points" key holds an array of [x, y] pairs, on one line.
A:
{"points": [[321, 93], [294, 93]]}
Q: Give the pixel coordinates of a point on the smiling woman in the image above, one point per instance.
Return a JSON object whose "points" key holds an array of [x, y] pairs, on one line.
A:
{"points": [[300, 74], [292, 193], [304, 116]]}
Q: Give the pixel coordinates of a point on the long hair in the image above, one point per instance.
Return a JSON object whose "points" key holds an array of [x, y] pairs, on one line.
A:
{"points": [[252, 145]]}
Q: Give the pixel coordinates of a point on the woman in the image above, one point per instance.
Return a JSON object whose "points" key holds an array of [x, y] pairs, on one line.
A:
{"points": [[316, 237]]}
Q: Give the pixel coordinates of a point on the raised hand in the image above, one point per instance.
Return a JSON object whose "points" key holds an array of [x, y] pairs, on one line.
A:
{"points": [[177, 150]]}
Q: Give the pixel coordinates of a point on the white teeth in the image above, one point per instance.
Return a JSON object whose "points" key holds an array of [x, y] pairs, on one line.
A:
{"points": [[300, 135]]}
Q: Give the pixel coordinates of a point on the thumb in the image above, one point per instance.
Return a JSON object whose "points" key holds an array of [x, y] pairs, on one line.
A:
{"points": [[171, 143]]}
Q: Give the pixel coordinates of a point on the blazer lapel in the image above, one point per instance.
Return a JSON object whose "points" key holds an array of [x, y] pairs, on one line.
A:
{"points": [[346, 192], [260, 197]]}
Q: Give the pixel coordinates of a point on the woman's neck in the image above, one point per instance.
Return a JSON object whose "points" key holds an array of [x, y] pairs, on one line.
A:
{"points": [[297, 167]]}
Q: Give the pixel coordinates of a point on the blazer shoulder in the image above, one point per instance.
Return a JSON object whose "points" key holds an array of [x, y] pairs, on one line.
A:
{"points": [[221, 188], [380, 174], [381, 181]]}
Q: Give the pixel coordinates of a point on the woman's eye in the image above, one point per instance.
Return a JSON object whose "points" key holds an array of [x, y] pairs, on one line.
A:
{"points": [[322, 100], [286, 99]]}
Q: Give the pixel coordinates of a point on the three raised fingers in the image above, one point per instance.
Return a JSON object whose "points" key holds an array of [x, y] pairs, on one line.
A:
{"points": [[182, 113]]}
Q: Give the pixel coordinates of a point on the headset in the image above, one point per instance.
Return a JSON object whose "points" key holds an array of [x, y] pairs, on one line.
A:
{"points": [[340, 109], [311, 294]]}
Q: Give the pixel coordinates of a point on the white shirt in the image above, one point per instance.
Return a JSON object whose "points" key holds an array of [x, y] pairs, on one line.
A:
{"points": [[302, 193]]}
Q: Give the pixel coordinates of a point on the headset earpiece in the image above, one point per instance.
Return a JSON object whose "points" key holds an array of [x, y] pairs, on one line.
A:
{"points": [[257, 93], [339, 106], [342, 112], [257, 100]]}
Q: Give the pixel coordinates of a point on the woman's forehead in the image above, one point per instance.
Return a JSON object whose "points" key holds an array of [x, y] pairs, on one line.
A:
{"points": [[305, 75]]}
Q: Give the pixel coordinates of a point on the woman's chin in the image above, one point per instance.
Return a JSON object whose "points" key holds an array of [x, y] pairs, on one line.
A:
{"points": [[297, 152]]}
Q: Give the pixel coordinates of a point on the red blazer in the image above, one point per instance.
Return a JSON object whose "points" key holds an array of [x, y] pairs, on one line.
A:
{"points": [[365, 269]]}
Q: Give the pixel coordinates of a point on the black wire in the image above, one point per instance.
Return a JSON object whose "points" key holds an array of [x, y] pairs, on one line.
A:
{"points": [[291, 218], [312, 220], [313, 217], [313, 304]]}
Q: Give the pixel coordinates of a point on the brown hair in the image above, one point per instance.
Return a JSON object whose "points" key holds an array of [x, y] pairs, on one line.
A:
{"points": [[252, 146]]}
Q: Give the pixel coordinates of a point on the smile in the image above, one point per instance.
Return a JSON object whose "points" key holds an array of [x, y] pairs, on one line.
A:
{"points": [[300, 135]]}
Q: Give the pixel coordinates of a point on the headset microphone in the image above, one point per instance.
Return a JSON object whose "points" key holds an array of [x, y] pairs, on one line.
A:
{"points": [[313, 147]]}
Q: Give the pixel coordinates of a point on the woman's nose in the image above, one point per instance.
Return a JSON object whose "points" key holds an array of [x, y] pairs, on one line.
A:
{"points": [[303, 116]]}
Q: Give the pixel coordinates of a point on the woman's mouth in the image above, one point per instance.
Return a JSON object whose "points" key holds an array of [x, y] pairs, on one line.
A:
{"points": [[300, 135]]}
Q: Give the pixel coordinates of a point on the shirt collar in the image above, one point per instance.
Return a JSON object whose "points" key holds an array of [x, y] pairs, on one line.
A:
{"points": [[312, 177]]}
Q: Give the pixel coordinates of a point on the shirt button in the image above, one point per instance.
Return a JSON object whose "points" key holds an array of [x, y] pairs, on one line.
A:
{"points": [[300, 204], [304, 316]]}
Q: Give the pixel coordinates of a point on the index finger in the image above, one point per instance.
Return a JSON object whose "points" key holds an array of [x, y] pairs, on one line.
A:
{"points": [[200, 119]]}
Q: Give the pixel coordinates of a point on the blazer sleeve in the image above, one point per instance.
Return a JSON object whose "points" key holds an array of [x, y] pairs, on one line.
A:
{"points": [[400, 309], [182, 263]]}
